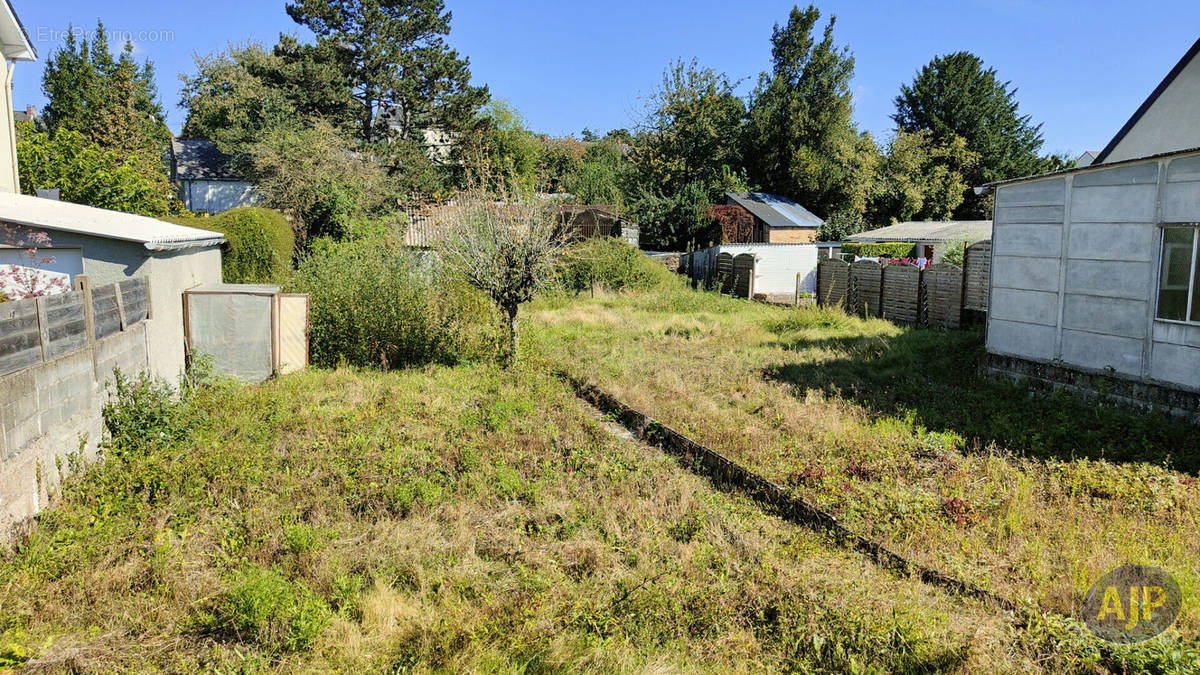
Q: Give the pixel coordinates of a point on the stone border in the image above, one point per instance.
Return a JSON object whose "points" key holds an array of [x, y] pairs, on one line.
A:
{"points": [[730, 476]]}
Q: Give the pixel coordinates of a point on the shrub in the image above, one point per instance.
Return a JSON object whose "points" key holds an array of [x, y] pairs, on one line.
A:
{"points": [[142, 412], [374, 303], [260, 245], [610, 263], [263, 607], [955, 252], [888, 249]]}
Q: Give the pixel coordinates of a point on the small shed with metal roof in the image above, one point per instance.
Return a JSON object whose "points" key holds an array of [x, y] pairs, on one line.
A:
{"points": [[777, 219], [112, 246]]}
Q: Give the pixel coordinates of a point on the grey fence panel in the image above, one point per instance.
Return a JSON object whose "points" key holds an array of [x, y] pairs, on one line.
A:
{"points": [[20, 336], [106, 311], [901, 293], [833, 282], [133, 300], [977, 272], [66, 327], [943, 295], [743, 275], [723, 273], [866, 288]]}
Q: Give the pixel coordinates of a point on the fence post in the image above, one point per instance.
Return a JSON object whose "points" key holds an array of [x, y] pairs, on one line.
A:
{"points": [[83, 284], [43, 328], [797, 302]]}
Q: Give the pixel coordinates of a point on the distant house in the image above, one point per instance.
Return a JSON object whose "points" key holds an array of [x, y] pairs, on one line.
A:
{"points": [[206, 179], [1168, 120], [29, 114], [931, 237], [1088, 158], [777, 220]]}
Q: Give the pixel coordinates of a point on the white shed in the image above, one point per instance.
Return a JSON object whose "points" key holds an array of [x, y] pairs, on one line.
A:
{"points": [[1095, 273]]}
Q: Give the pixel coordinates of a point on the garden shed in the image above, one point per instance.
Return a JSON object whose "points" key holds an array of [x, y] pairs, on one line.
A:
{"points": [[1095, 274], [112, 246]]}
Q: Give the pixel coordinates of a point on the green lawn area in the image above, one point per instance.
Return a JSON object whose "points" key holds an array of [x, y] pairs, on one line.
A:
{"points": [[896, 432], [467, 519], [451, 519]]}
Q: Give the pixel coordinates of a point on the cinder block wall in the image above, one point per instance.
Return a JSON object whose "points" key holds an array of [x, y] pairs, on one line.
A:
{"points": [[50, 419]]}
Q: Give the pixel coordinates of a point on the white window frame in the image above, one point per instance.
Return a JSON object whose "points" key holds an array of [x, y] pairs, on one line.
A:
{"points": [[1191, 280]]}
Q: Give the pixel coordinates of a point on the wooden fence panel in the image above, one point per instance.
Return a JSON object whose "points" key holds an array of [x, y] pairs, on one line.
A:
{"points": [[743, 275], [133, 300], [833, 282], [866, 281], [66, 328], [723, 273], [977, 271], [901, 293], [943, 285], [20, 335], [106, 310]]}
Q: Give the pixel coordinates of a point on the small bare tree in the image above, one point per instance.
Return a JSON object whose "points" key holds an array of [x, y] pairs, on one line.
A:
{"points": [[508, 251]]}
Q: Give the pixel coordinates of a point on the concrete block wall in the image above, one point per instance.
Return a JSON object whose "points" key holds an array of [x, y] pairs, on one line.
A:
{"points": [[50, 417], [1075, 263]]}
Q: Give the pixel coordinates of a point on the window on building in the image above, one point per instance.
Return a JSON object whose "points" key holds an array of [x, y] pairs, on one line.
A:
{"points": [[1179, 275]]}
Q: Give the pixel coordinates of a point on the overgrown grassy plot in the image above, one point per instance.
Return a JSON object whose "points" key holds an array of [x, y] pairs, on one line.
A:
{"points": [[449, 519], [893, 430]]}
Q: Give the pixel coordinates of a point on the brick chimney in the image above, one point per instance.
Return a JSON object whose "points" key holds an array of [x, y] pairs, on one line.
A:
{"points": [[31, 112]]}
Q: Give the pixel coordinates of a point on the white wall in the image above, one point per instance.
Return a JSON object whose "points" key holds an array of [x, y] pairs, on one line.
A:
{"points": [[776, 268], [170, 275], [9, 177], [216, 196], [1075, 262], [1172, 123]]}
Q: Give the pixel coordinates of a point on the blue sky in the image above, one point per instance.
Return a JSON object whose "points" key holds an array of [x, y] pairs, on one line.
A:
{"points": [[1081, 67]]}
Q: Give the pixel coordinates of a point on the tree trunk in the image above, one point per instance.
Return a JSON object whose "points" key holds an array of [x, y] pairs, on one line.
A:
{"points": [[513, 337]]}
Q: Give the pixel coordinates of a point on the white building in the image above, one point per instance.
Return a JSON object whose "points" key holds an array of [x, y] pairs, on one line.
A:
{"points": [[206, 179], [1167, 120], [1096, 270]]}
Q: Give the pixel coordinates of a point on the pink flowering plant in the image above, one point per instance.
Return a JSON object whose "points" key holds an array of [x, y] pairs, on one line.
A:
{"points": [[28, 279]]}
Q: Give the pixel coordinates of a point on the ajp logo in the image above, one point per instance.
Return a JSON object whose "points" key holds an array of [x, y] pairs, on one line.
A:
{"points": [[1132, 604]]}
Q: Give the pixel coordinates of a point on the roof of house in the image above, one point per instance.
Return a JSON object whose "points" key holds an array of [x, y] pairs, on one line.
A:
{"points": [[1149, 102], [928, 230], [13, 35], [52, 214], [774, 210], [198, 159], [990, 187]]}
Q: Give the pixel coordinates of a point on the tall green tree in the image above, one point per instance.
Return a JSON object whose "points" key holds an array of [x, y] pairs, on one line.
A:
{"points": [[691, 130], [401, 74], [112, 101], [920, 179], [236, 96], [686, 155], [801, 141], [956, 96], [109, 115]]}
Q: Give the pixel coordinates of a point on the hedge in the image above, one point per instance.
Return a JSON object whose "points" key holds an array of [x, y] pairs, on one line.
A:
{"points": [[260, 245], [887, 249]]}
